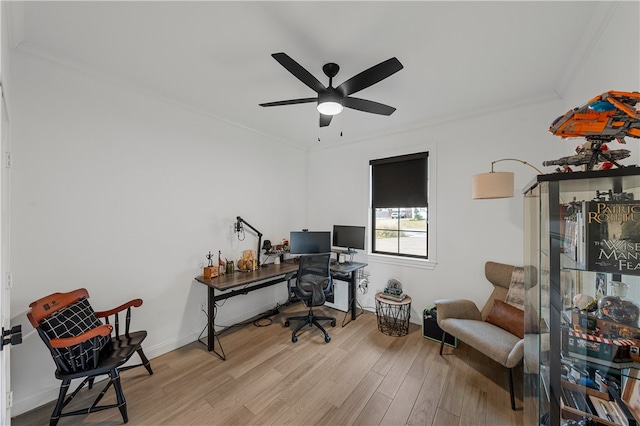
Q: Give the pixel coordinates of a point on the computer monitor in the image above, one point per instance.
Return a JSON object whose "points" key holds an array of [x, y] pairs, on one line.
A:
{"points": [[349, 237], [309, 242]]}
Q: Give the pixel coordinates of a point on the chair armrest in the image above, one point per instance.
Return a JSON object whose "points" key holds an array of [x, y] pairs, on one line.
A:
{"points": [[65, 342], [291, 275], [457, 308], [132, 303]]}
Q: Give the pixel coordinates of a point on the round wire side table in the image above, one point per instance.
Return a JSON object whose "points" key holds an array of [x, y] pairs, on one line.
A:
{"points": [[393, 317]]}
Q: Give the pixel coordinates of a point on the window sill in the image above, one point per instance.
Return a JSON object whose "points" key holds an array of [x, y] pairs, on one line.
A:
{"points": [[401, 261]]}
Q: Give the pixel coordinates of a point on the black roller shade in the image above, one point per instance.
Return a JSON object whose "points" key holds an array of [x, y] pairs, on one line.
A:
{"points": [[400, 181]]}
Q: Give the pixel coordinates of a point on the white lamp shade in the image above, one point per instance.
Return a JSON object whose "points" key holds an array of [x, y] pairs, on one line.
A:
{"points": [[493, 185]]}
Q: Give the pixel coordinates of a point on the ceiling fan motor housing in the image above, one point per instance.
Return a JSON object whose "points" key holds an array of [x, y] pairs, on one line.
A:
{"points": [[330, 95]]}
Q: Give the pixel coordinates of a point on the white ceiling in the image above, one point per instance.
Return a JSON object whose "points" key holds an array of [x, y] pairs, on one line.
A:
{"points": [[459, 58]]}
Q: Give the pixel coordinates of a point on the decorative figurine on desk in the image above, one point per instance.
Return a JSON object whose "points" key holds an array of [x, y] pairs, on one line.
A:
{"points": [[247, 263], [221, 264], [210, 271]]}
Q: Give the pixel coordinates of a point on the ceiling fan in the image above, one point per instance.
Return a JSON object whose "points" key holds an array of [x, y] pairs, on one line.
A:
{"points": [[331, 100]]}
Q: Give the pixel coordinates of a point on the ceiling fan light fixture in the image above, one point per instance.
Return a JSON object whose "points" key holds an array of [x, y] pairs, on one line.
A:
{"points": [[330, 108], [329, 103]]}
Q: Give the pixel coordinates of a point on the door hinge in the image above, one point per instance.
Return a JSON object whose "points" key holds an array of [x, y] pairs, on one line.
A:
{"points": [[9, 280], [9, 399], [7, 159], [11, 337]]}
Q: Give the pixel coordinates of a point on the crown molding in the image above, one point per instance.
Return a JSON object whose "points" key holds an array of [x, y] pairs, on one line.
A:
{"points": [[538, 98], [108, 78], [111, 79]]}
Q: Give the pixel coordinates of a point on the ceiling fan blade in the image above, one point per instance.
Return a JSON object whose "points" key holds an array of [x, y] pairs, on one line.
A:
{"points": [[300, 73], [368, 106], [289, 102], [370, 76], [325, 120]]}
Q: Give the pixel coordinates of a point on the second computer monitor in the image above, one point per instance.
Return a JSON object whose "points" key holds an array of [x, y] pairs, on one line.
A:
{"points": [[310, 242], [349, 237]]}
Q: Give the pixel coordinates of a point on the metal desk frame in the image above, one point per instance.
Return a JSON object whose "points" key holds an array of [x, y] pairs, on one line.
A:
{"points": [[261, 278]]}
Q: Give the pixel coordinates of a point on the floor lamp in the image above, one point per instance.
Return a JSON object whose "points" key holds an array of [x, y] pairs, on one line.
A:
{"points": [[496, 184]]}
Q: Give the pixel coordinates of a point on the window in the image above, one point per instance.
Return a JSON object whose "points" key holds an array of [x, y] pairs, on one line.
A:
{"points": [[399, 205]]}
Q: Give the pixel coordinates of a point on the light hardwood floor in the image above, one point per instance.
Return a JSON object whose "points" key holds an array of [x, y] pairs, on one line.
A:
{"points": [[362, 377]]}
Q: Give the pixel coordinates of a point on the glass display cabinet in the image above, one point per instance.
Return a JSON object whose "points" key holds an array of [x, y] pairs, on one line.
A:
{"points": [[582, 341]]}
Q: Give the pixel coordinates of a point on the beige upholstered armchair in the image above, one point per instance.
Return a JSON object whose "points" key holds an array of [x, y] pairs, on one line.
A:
{"points": [[498, 329]]}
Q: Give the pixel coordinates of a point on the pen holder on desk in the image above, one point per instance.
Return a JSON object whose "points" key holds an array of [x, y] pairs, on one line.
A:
{"points": [[210, 272]]}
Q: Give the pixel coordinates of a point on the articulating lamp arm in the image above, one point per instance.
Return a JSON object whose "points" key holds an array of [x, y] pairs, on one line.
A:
{"points": [[239, 221], [519, 161]]}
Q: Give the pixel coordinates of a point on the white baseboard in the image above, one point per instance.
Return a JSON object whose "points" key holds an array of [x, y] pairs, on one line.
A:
{"points": [[44, 396]]}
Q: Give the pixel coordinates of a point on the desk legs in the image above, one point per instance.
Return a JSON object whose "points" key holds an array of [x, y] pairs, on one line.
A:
{"points": [[212, 336], [352, 297], [352, 290], [211, 320]]}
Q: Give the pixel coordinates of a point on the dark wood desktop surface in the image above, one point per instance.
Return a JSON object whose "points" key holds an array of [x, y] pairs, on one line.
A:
{"points": [[229, 281], [238, 278]]}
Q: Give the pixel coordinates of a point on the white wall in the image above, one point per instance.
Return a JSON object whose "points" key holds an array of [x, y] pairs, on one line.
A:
{"points": [[468, 232], [471, 232], [124, 194], [613, 62]]}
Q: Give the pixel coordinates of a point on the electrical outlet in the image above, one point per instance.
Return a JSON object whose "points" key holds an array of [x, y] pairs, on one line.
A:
{"points": [[203, 307]]}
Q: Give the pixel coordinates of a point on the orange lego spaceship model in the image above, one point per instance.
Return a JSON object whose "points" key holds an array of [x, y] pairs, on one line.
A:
{"points": [[611, 115]]}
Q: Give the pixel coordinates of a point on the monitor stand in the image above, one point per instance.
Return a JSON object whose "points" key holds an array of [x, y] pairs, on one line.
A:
{"points": [[347, 252]]}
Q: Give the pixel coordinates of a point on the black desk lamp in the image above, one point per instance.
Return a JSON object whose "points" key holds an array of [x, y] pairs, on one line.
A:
{"points": [[238, 228]]}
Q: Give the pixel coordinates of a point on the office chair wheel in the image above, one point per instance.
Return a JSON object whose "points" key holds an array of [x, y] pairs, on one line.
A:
{"points": [[294, 339], [333, 323], [286, 323], [327, 339]]}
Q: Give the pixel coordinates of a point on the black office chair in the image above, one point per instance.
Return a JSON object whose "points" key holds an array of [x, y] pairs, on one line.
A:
{"points": [[313, 284]]}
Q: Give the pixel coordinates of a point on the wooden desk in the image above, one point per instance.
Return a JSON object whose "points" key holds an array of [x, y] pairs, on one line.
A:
{"points": [[244, 282]]}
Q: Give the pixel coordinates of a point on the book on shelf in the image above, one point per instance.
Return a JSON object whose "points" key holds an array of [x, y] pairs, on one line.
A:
{"points": [[612, 236]]}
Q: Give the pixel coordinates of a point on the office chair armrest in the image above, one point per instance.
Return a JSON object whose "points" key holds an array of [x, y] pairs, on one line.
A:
{"points": [[291, 275], [132, 303], [291, 297], [65, 342]]}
